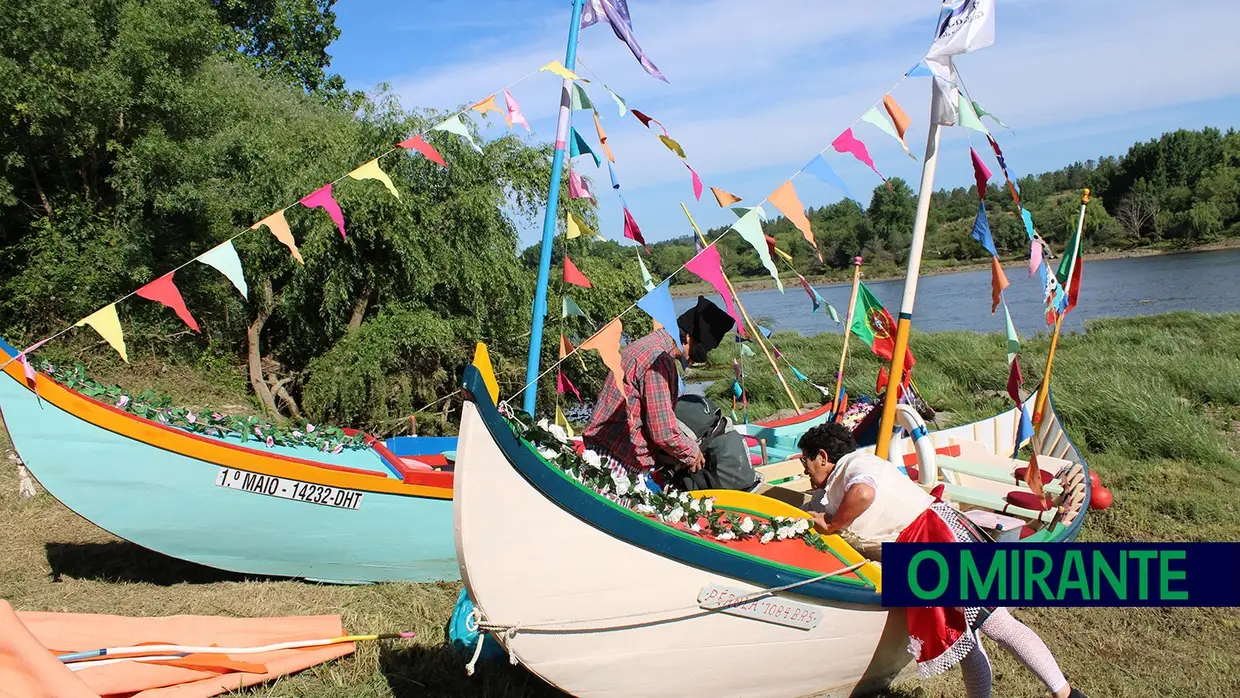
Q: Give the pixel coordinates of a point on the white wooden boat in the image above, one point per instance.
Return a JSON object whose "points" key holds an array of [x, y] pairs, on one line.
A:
{"points": [[599, 600]]}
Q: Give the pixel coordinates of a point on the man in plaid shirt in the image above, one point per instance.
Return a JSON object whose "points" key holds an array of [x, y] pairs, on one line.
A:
{"points": [[631, 428]]}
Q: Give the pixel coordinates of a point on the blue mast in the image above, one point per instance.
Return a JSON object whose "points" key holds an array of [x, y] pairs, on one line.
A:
{"points": [[549, 220]]}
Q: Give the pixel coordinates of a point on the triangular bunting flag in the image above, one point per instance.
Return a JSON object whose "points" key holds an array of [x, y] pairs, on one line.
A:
{"points": [[982, 112], [571, 308], [1035, 256], [278, 226], [575, 228], [697, 183], [578, 146], [1013, 340], [559, 69], [875, 117], [162, 290], [998, 282], [846, 142], [631, 231], [673, 146], [563, 421], [602, 138], [746, 350], [658, 305], [108, 325], [800, 376], [981, 231], [644, 119], [819, 168], [1023, 433], [616, 14], [786, 200], [968, 117], [981, 174], [707, 265], [322, 198], [611, 172], [563, 384], [577, 187], [919, 71], [428, 151], [1027, 218], [607, 343], [566, 347], [453, 124], [750, 228], [741, 211], [371, 170], [572, 275], [835, 317], [579, 99], [624, 108], [724, 198], [515, 116], [1015, 381], [813, 293], [224, 259], [489, 105], [647, 281], [1033, 474], [899, 119]]}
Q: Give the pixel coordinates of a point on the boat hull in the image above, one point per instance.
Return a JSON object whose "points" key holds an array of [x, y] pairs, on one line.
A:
{"points": [[157, 487]]}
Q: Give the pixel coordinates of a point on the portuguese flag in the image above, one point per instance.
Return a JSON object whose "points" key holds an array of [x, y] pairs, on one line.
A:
{"points": [[1071, 254], [873, 324]]}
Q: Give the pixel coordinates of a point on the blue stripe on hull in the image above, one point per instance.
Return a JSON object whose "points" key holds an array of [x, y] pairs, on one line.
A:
{"points": [[170, 503]]}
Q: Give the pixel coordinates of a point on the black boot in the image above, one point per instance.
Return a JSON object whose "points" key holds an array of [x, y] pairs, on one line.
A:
{"points": [[1076, 693]]}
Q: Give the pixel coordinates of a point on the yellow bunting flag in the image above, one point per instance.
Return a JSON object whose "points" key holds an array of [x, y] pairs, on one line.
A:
{"points": [[278, 226], [602, 138], [900, 119], [559, 69], [607, 343], [673, 146], [786, 200], [371, 171], [482, 362], [487, 105], [576, 228], [108, 325], [563, 421], [566, 347], [998, 282], [724, 198]]}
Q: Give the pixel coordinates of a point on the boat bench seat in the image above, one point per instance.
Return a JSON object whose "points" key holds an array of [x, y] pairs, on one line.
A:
{"points": [[994, 502], [967, 467]]}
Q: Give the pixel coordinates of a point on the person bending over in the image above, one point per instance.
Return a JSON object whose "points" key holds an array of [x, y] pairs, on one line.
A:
{"points": [[866, 499]]}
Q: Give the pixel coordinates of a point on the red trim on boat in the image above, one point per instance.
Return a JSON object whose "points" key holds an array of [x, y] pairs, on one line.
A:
{"points": [[796, 419]]}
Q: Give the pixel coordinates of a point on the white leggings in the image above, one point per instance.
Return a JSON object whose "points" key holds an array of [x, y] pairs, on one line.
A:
{"points": [[1018, 639]]}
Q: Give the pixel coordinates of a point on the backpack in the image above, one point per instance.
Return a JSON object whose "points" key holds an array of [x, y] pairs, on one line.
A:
{"points": [[727, 455]]}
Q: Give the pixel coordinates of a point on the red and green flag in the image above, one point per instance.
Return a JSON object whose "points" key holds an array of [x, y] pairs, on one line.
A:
{"points": [[873, 325], [1071, 265]]}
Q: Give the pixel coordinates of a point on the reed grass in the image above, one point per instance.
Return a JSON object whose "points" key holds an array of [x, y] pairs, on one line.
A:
{"points": [[1154, 402]]}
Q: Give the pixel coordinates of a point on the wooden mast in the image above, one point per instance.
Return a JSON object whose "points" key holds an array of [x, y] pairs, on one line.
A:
{"points": [[1045, 388], [852, 303]]}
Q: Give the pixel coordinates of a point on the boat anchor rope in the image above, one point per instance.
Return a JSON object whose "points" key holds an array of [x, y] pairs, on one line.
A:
{"points": [[510, 630]]}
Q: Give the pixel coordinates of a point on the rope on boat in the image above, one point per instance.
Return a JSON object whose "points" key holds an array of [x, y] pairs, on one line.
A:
{"points": [[510, 630]]}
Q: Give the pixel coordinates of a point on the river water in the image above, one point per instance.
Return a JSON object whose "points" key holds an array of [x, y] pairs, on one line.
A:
{"points": [[1205, 281]]}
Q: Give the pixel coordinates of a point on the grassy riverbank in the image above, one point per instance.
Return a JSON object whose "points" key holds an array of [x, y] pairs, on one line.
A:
{"points": [[887, 270], [1154, 402]]}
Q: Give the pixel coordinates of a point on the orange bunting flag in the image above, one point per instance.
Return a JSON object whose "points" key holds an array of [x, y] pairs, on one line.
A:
{"points": [[573, 275], [899, 118], [602, 138], [724, 198], [278, 226], [1033, 478], [998, 282], [607, 343], [163, 291], [786, 200], [566, 347], [488, 105]]}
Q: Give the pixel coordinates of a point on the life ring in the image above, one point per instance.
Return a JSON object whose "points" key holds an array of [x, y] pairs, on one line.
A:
{"points": [[927, 469]]}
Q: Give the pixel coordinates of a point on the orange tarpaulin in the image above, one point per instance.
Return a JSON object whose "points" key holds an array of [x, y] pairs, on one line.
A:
{"points": [[29, 642]]}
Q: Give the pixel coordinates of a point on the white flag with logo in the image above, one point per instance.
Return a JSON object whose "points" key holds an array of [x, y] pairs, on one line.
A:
{"points": [[963, 26]]}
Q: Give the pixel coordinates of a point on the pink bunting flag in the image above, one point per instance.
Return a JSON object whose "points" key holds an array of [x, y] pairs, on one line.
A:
{"points": [[631, 231], [848, 143], [577, 187], [323, 199], [1035, 257], [707, 265], [163, 291], [562, 384], [981, 173], [428, 151], [514, 111], [24, 359], [607, 343], [697, 183]]}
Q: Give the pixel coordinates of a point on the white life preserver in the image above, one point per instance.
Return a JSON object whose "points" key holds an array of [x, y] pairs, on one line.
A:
{"points": [[911, 422]]}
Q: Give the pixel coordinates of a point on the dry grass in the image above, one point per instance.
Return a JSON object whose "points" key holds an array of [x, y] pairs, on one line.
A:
{"points": [[1167, 487]]}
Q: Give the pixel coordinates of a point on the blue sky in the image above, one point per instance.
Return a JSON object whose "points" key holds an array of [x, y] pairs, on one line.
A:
{"points": [[758, 87]]}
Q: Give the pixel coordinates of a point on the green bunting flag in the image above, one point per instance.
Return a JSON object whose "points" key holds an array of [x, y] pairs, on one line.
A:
{"points": [[968, 117], [834, 315], [571, 308], [750, 228], [1013, 341], [578, 146], [580, 99], [455, 125], [647, 281], [982, 112], [746, 351]]}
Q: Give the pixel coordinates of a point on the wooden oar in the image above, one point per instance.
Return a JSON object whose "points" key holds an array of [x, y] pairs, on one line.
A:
{"points": [[839, 374]]}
